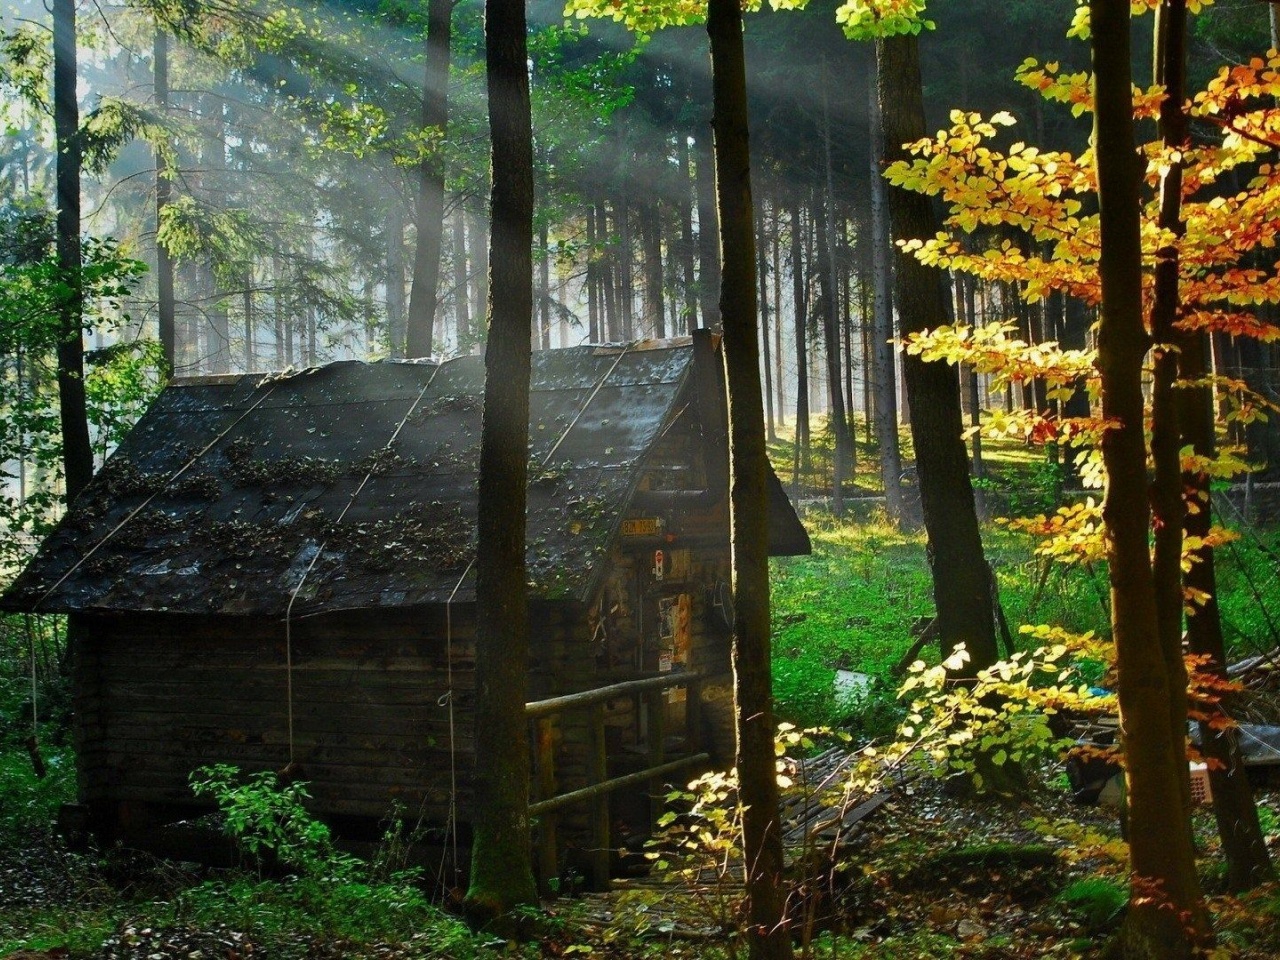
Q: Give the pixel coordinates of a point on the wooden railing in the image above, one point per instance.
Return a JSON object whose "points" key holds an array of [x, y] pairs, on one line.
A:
{"points": [[599, 784]]}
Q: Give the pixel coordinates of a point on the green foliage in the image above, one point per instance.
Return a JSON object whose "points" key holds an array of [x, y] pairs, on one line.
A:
{"points": [[327, 892], [120, 381], [1098, 902], [28, 805], [869, 19], [269, 821], [997, 729]]}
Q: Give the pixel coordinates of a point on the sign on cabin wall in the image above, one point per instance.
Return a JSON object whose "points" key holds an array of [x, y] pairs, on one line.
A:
{"points": [[641, 527]]}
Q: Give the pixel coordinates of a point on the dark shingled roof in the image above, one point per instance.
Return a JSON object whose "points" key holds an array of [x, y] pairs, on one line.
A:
{"points": [[353, 485]]}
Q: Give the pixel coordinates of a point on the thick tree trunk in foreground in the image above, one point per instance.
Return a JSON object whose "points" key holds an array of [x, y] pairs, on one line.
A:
{"points": [[1166, 916], [423, 296], [768, 937], [961, 578], [77, 453], [501, 871]]}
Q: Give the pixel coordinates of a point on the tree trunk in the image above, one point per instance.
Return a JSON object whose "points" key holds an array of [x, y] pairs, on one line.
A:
{"points": [[461, 301], [592, 278], [396, 321], [762, 247], [768, 937], [836, 417], [708, 255], [1166, 487], [961, 578], [778, 378], [544, 289], [886, 400], [164, 193], [685, 197], [249, 333], [479, 256], [1243, 845], [501, 871], [654, 302], [214, 158], [802, 347], [622, 213], [77, 452], [1166, 915], [423, 295]]}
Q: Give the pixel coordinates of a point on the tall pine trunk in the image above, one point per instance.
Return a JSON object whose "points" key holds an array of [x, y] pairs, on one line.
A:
{"points": [[77, 452], [762, 249], [423, 295], [164, 194], [396, 318], [802, 347], [461, 302], [882, 365], [501, 869]]}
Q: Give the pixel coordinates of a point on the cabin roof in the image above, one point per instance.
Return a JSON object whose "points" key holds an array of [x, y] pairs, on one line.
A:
{"points": [[353, 485]]}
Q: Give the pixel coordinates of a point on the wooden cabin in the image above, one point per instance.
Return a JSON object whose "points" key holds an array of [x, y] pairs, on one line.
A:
{"points": [[275, 570]]}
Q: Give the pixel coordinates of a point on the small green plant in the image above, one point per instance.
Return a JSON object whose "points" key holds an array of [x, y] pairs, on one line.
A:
{"points": [[269, 820], [1097, 902]]}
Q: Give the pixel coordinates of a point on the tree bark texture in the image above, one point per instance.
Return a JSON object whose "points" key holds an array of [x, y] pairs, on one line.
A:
{"points": [[423, 294], [77, 453], [961, 578], [501, 870], [768, 936], [1166, 915]]}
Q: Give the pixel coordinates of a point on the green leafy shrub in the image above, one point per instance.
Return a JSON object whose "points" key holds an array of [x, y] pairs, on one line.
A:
{"points": [[269, 821], [29, 805], [328, 893]]}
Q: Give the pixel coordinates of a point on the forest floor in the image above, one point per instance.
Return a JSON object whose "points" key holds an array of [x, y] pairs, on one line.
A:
{"points": [[933, 875]]}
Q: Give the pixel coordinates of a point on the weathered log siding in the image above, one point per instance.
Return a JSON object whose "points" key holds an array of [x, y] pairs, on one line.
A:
{"points": [[159, 696]]}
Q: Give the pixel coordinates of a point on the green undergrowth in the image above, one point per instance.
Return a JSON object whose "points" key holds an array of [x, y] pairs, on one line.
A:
{"points": [[853, 603]]}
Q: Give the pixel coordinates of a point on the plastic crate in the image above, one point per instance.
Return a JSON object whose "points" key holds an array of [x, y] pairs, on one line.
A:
{"points": [[1201, 792]]}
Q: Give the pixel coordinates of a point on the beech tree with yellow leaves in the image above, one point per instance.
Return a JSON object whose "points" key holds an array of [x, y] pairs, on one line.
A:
{"points": [[1084, 212]]}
